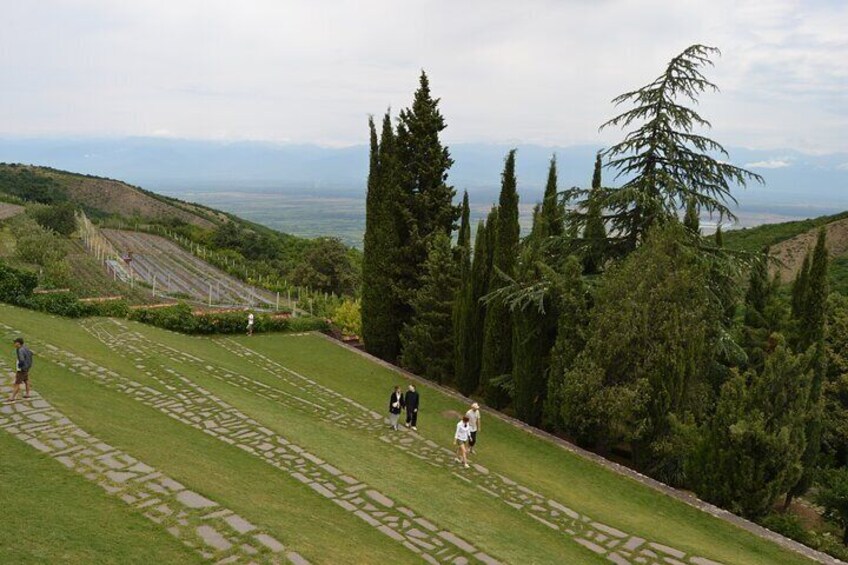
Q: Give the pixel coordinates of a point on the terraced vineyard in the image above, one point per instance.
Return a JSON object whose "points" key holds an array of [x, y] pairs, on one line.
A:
{"points": [[171, 270], [275, 449]]}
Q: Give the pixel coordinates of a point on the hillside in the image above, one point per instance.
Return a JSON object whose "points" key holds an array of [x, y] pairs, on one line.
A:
{"points": [[275, 447], [102, 196], [789, 242]]}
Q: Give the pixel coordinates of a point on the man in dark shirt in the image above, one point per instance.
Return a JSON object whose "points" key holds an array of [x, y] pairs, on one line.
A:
{"points": [[411, 402], [22, 367]]}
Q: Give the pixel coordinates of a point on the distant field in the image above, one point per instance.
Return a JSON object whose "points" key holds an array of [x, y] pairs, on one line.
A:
{"points": [[277, 444], [313, 215]]}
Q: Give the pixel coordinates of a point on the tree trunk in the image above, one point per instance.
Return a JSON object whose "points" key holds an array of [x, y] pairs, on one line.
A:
{"points": [[787, 501], [845, 536]]}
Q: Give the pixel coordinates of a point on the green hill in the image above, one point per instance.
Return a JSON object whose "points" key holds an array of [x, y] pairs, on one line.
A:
{"points": [[257, 255], [276, 446], [789, 242]]}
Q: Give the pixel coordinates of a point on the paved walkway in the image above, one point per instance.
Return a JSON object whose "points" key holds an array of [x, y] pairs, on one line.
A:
{"points": [[217, 533], [305, 394], [182, 399]]}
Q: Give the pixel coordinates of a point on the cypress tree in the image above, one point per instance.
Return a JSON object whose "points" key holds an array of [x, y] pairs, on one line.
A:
{"points": [[461, 318], [719, 238], [425, 203], [531, 339], [473, 315], [380, 316], [497, 338], [428, 338], [595, 232], [552, 212], [799, 289], [815, 296], [691, 219], [812, 333], [750, 452]]}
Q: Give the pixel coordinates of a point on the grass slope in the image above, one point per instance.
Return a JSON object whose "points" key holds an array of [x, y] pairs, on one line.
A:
{"points": [[53, 515], [316, 527]]}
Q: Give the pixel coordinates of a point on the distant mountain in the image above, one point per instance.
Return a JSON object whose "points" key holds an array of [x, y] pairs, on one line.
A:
{"points": [[795, 181]]}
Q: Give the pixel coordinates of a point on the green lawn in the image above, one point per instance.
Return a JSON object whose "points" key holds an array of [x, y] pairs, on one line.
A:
{"points": [[292, 512], [52, 515]]}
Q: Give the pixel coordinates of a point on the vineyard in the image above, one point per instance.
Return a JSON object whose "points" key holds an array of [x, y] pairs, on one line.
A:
{"points": [[170, 270]]}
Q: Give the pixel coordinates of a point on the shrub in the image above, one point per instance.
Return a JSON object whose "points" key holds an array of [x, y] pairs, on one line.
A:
{"points": [[63, 304], [181, 318], [16, 285], [787, 525], [348, 317], [61, 218]]}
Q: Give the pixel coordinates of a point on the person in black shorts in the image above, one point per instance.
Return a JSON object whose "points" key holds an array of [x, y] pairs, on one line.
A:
{"points": [[22, 368]]}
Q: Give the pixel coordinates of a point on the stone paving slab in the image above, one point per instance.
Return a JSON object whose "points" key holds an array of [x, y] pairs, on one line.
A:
{"points": [[213, 531]]}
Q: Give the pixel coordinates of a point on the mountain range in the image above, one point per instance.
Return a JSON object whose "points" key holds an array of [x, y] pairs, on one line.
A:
{"points": [[796, 183]]}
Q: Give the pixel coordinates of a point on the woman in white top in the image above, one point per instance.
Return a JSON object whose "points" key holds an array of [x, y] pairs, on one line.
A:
{"points": [[460, 439]]}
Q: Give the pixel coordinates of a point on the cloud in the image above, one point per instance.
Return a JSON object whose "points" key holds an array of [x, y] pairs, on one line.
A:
{"points": [[768, 164], [842, 166], [539, 72]]}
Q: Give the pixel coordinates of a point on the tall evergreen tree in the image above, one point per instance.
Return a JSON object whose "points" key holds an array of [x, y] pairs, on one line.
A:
{"points": [[553, 214], [764, 313], [750, 453], [428, 338], [461, 318], [799, 289], [380, 313], [425, 203], [815, 296], [496, 370], [473, 314], [719, 238], [691, 219], [595, 232], [812, 334], [663, 159], [531, 336]]}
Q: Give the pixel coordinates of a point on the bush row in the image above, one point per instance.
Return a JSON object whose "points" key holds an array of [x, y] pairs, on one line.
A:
{"points": [[16, 287], [182, 319]]}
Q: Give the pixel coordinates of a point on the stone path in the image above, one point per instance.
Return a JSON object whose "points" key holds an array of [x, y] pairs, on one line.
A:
{"points": [[215, 532], [614, 544], [333, 407], [185, 401]]}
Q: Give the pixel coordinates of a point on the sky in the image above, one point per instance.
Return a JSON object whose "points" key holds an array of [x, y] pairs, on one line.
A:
{"points": [[535, 71]]}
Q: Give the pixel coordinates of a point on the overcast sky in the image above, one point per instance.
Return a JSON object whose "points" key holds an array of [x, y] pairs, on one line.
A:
{"points": [[507, 71]]}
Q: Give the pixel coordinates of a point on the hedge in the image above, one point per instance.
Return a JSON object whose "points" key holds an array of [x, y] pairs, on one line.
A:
{"points": [[16, 287], [181, 318]]}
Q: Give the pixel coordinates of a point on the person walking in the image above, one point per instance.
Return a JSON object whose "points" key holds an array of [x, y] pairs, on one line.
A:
{"points": [[411, 400], [473, 416], [460, 439], [250, 320], [22, 368], [395, 406]]}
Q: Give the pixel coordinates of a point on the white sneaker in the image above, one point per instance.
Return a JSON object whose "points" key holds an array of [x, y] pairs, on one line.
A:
{"points": [[457, 460], [415, 428], [467, 466], [407, 425]]}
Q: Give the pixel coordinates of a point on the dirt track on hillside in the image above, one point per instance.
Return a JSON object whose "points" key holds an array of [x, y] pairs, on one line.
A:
{"points": [[790, 253], [9, 210]]}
